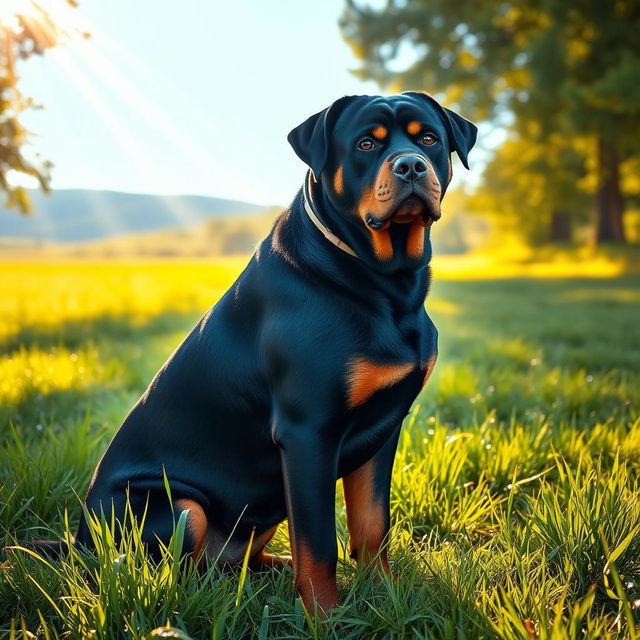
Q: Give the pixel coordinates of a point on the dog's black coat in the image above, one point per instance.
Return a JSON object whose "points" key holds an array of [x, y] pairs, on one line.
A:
{"points": [[255, 417]]}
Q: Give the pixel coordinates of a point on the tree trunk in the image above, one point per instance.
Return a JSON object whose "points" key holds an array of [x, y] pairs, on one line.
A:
{"points": [[559, 226], [608, 201]]}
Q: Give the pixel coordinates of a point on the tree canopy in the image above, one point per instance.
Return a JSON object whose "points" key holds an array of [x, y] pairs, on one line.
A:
{"points": [[552, 69], [26, 30]]}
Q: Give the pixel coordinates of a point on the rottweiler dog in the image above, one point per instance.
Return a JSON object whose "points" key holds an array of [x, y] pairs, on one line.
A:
{"points": [[304, 370]]}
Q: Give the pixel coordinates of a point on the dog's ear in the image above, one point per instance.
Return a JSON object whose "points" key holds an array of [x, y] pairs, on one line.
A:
{"points": [[462, 133], [310, 140]]}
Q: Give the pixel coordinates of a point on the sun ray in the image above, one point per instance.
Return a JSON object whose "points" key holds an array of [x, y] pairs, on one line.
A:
{"points": [[180, 211], [43, 17], [89, 92], [155, 115]]}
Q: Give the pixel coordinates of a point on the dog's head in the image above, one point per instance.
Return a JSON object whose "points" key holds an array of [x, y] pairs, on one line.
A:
{"points": [[383, 164]]}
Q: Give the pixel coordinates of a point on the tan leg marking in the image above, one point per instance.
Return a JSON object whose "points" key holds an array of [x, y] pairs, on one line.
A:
{"points": [[196, 523], [260, 558], [314, 580], [364, 378], [365, 517]]}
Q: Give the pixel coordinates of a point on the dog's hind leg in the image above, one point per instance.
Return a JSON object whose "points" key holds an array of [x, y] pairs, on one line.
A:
{"points": [[160, 518], [263, 560], [197, 526]]}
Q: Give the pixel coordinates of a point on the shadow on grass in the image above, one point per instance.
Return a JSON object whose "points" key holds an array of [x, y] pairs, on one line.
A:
{"points": [[40, 412], [577, 323], [121, 327]]}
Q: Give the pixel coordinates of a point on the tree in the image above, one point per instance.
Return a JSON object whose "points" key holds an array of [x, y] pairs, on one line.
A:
{"points": [[25, 29], [536, 192], [571, 68]]}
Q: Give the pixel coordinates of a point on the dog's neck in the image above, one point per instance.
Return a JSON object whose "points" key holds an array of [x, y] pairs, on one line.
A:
{"points": [[404, 283]]}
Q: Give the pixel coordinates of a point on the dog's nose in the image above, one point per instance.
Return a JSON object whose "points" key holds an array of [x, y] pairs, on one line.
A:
{"points": [[409, 168]]}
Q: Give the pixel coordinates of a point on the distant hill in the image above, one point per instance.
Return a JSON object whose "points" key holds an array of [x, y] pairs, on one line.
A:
{"points": [[70, 216], [231, 235], [110, 224]]}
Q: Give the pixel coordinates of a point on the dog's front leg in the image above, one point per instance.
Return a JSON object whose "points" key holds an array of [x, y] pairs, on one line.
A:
{"points": [[366, 494], [309, 464]]}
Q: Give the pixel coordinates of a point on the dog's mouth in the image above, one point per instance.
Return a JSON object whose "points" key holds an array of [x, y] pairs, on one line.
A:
{"points": [[413, 208]]}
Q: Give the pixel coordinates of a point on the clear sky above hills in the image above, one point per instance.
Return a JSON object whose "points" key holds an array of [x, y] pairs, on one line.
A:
{"points": [[188, 97]]}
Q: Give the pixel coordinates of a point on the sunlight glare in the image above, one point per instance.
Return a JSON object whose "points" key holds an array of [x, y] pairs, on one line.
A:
{"points": [[51, 21]]}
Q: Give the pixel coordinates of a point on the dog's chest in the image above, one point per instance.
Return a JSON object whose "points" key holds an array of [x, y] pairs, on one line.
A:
{"points": [[397, 353], [374, 422], [382, 384]]}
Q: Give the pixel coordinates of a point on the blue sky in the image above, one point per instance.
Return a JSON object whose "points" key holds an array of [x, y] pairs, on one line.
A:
{"points": [[190, 97]]}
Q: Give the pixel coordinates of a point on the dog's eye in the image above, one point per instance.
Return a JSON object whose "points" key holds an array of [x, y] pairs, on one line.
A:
{"points": [[428, 139], [366, 144]]}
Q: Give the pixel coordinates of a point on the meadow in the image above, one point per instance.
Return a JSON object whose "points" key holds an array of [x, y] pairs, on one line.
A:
{"points": [[515, 498]]}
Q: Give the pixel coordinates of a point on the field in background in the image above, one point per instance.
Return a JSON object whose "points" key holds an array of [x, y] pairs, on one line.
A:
{"points": [[515, 496]]}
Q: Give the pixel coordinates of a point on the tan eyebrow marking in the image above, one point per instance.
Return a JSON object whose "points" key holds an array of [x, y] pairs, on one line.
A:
{"points": [[414, 127], [380, 132]]}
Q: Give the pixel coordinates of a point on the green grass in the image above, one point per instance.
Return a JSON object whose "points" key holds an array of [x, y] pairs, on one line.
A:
{"points": [[516, 502]]}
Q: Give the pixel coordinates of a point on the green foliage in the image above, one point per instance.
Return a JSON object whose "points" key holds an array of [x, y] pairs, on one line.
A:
{"points": [[515, 495], [536, 192], [552, 71], [551, 62]]}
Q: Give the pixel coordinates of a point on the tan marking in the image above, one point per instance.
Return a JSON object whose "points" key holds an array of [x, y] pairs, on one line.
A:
{"points": [[219, 546], [375, 200], [315, 581], [338, 185], [196, 523], [428, 367], [260, 558], [449, 171], [364, 378], [414, 127], [365, 517], [380, 132], [435, 189], [264, 560], [381, 241], [415, 239]]}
